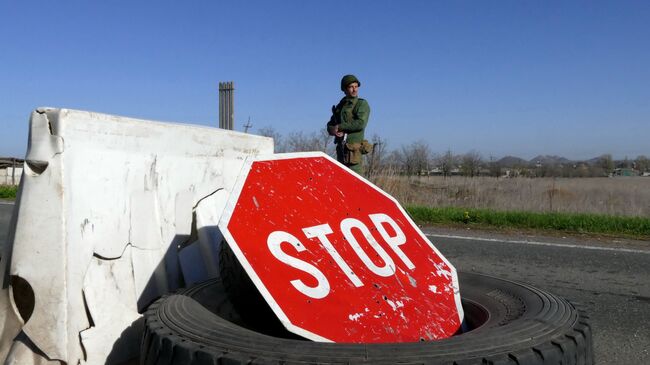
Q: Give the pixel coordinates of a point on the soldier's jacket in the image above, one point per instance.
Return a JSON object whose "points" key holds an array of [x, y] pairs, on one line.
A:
{"points": [[351, 114]]}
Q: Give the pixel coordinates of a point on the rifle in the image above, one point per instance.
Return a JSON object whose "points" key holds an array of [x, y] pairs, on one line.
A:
{"points": [[334, 121]]}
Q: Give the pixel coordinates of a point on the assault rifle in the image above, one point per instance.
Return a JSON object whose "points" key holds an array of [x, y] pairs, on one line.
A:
{"points": [[334, 121]]}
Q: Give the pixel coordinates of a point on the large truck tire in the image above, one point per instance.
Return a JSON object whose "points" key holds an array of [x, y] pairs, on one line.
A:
{"points": [[507, 323]]}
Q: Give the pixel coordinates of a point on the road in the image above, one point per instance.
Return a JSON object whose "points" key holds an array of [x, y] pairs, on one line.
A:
{"points": [[610, 279]]}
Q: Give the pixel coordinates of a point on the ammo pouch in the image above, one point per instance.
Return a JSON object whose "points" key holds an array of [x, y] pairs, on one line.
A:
{"points": [[352, 155], [366, 147]]}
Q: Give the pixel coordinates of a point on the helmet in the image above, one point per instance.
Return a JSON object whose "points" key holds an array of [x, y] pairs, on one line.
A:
{"points": [[347, 80]]}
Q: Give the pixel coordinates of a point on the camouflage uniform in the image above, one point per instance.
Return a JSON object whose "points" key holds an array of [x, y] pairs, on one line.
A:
{"points": [[351, 115]]}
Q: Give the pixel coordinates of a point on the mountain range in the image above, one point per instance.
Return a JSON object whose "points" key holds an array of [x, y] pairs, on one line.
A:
{"points": [[544, 160]]}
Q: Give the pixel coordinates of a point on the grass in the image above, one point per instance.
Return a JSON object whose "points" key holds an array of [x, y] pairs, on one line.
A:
{"points": [[609, 206], [620, 196], [633, 227], [8, 191], [601, 206]]}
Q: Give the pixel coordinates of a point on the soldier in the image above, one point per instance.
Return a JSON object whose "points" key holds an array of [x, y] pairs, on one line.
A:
{"points": [[347, 125]]}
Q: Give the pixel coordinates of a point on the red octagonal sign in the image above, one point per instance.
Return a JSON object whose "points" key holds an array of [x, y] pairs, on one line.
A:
{"points": [[335, 257]]}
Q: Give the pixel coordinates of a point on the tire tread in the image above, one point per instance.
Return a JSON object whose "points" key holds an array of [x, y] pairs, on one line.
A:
{"points": [[178, 329]]}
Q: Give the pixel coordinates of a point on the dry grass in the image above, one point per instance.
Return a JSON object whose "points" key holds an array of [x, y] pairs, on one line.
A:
{"points": [[621, 196]]}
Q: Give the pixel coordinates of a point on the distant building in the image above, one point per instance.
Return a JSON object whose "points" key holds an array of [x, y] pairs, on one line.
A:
{"points": [[435, 171], [625, 171], [11, 169]]}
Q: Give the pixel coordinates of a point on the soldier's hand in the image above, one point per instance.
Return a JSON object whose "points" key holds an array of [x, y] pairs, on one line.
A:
{"points": [[337, 132]]}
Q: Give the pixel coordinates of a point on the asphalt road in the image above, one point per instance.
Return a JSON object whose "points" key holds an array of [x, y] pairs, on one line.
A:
{"points": [[610, 279]]}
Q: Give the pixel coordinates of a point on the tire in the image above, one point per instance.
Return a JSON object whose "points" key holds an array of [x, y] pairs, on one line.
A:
{"points": [[252, 310], [509, 323]]}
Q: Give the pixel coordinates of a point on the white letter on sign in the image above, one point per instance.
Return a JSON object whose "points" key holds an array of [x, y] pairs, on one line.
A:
{"points": [[321, 233], [275, 241], [393, 242], [346, 227]]}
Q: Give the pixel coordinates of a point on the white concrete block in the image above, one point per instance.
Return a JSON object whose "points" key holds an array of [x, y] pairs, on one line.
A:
{"points": [[106, 203]]}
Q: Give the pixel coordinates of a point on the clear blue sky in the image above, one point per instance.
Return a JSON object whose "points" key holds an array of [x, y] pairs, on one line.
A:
{"points": [[500, 77]]}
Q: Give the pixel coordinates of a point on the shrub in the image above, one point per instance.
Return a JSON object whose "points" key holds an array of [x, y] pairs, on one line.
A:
{"points": [[8, 191]]}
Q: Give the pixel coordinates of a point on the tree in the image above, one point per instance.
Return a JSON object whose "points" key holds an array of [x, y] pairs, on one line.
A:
{"points": [[626, 163], [446, 163], [606, 163], [278, 142], [415, 158], [393, 161], [315, 141], [548, 169], [471, 164], [495, 167], [642, 163], [376, 159]]}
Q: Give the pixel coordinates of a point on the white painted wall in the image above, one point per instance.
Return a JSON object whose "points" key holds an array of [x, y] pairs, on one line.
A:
{"points": [[10, 175]]}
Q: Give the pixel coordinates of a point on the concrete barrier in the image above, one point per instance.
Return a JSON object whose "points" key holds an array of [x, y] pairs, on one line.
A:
{"points": [[109, 212]]}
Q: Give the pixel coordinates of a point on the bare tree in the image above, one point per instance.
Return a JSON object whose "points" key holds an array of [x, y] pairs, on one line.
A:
{"points": [[393, 161], [323, 141], [642, 163], [606, 162], [279, 145], [626, 163], [446, 163], [415, 158], [315, 141], [471, 164], [300, 142], [376, 159], [495, 167]]}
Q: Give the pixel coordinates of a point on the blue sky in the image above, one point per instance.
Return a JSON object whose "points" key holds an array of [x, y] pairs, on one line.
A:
{"points": [[499, 77]]}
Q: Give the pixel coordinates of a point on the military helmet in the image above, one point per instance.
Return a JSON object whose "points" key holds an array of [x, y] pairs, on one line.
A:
{"points": [[347, 80]]}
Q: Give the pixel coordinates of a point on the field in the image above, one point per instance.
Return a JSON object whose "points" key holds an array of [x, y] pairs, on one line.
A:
{"points": [[618, 196]]}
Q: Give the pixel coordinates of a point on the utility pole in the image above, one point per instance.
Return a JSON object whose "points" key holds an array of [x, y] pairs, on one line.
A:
{"points": [[247, 125], [13, 171], [372, 166]]}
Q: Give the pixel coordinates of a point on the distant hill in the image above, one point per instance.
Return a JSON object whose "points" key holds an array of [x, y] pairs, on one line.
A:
{"points": [[594, 161], [550, 160], [511, 161]]}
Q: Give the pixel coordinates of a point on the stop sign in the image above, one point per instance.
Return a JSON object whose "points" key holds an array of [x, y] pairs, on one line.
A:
{"points": [[335, 257]]}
